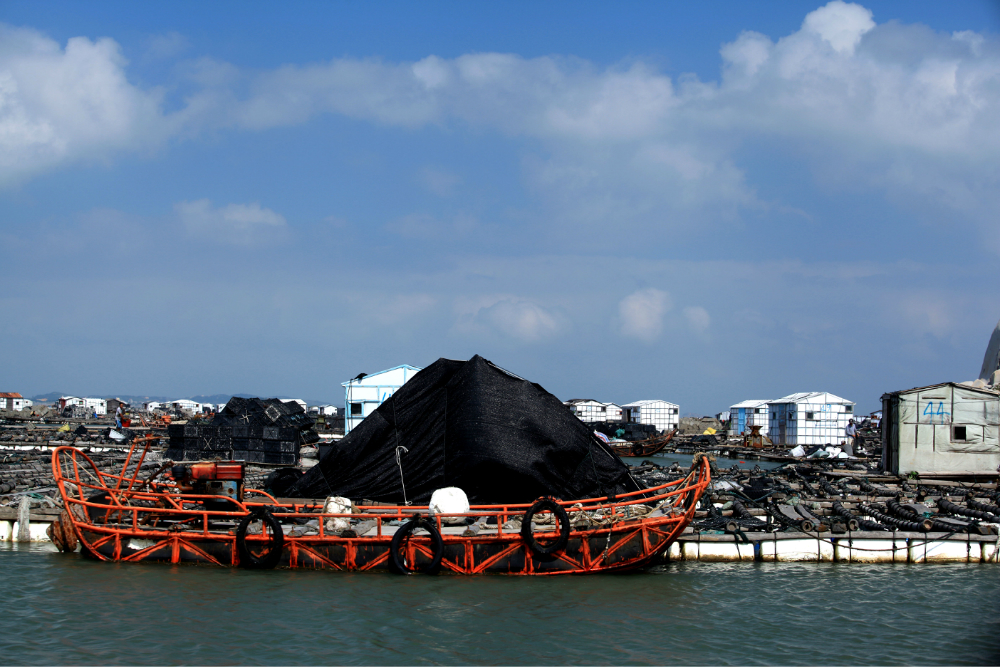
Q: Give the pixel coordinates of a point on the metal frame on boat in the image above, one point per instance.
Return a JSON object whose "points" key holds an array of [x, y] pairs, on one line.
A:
{"points": [[119, 517]]}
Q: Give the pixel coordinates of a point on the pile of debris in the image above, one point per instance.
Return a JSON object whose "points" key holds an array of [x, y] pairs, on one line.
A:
{"points": [[698, 425], [625, 430], [254, 430], [832, 497]]}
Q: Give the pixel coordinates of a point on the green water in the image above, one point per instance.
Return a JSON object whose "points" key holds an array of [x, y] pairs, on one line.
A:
{"points": [[62, 609]]}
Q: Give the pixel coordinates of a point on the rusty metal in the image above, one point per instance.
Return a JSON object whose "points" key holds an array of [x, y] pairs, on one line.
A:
{"points": [[156, 521], [755, 440]]}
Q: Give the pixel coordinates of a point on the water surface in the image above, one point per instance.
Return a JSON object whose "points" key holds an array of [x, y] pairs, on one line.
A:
{"points": [[66, 609]]}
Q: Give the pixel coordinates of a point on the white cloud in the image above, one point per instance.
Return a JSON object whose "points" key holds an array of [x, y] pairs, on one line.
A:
{"points": [[697, 318], [511, 316], [932, 312], [642, 313], [238, 224], [841, 24], [890, 107], [59, 105]]}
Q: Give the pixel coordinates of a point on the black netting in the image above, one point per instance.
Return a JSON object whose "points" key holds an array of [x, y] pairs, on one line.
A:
{"points": [[243, 428], [470, 424]]}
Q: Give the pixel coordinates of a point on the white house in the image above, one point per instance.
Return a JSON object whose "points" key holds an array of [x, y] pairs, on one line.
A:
{"points": [[66, 401], [590, 411], [185, 405], [809, 418], [325, 410], [661, 414], [745, 414], [364, 394], [11, 400], [944, 428], [98, 405]]}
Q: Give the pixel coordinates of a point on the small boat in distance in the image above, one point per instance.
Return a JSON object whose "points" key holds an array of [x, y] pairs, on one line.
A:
{"points": [[646, 447]]}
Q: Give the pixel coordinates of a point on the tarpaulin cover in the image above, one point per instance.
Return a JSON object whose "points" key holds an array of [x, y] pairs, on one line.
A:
{"points": [[469, 424]]}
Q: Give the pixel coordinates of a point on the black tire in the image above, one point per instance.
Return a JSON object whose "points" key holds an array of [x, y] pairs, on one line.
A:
{"points": [[528, 534], [271, 557], [437, 547], [97, 514]]}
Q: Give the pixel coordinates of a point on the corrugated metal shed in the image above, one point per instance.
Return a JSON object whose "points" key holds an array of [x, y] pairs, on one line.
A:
{"points": [[661, 414], [745, 414], [809, 418], [590, 411], [948, 428]]}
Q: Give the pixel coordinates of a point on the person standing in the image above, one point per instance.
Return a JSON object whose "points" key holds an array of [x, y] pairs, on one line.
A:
{"points": [[851, 431], [118, 416]]}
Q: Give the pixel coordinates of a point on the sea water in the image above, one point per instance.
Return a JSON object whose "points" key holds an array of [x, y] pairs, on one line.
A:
{"points": [[64, 608]]}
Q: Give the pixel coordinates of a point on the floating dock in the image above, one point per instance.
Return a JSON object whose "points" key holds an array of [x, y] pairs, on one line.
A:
{"points": [[856, 547]]}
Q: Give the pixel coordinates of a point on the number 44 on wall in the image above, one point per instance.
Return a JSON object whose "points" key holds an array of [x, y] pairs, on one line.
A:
{"points": [[930, 412]]}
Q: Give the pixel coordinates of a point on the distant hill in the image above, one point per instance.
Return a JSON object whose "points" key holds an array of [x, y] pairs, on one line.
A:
{"points": [[49, 398], [216, 398], [53, 397]]}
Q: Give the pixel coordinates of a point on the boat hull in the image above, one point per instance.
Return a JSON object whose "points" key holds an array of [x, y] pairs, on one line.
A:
{"points": [[126, 523]]}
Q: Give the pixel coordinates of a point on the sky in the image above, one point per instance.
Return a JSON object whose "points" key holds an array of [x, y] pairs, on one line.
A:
{"points": [[697, 202]]}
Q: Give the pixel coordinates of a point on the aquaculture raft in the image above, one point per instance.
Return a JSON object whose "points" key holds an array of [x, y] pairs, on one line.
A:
{"points": [[119, 517]]}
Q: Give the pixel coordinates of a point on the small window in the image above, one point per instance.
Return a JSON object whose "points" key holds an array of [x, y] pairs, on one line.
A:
{"points": [[849, 409], [759, 411], [811, 415], [355, 409], [959, 433]]}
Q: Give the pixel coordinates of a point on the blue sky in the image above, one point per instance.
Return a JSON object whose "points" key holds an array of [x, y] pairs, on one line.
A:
{"points": [[700, 202]]}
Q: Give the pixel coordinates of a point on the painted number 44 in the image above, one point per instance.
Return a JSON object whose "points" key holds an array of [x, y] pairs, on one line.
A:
{"points": [[930, 412]]}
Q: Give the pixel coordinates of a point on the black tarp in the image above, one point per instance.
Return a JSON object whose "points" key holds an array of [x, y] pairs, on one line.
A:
{"points": [[469, 424]]}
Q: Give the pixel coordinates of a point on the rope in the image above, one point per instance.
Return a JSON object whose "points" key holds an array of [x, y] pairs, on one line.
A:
{"points": [[400, 464]]}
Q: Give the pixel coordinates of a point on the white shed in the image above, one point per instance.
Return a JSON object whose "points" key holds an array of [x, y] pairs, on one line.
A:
{"points": [[185, 405], [363, 395], [661, 414], [589, 411], [66, 401], [11, 400], [745, 414], [944, 428], [809, 418], [98, 405]]}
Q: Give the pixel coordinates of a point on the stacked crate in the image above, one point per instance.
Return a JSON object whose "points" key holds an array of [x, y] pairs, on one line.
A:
{"points": [[264, 431]]}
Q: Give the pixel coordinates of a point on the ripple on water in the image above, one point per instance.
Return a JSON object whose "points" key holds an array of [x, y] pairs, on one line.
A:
{"points": [[66, 609]]}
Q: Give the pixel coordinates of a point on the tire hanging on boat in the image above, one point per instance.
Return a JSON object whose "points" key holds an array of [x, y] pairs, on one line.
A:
{"points": [[545, 551], [270, 559], [437, 547]]}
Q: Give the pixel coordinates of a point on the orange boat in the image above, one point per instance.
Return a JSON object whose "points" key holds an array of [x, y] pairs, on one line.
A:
{"points": [[204, 515]]}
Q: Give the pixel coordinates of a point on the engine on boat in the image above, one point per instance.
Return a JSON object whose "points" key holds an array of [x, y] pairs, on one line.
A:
{"points": [[211, 478]]}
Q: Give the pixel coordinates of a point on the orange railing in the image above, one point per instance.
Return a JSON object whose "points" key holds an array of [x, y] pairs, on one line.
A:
{"points": [[162, 501]]}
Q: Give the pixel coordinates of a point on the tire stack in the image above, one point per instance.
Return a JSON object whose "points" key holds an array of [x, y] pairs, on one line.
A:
{"points": [[254, 430]]}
